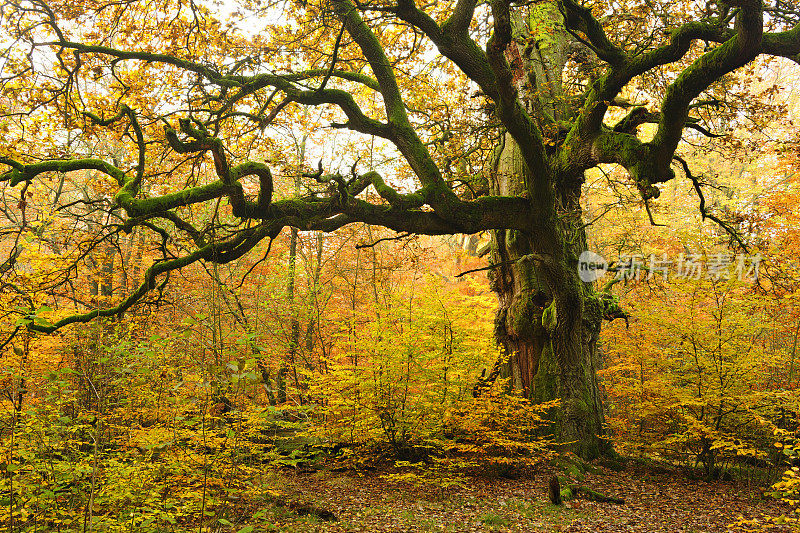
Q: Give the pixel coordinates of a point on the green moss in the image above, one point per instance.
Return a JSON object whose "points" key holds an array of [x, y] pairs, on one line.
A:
{"points": [[626, 147], [575, 408], [550, 317], [515, 239], [144, 206], [547, 381], [571, 466], [523, 316], [28, 172], [593, 309], [544, 24]]}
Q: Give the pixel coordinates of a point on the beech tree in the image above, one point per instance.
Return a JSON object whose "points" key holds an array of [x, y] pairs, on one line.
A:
{"points": [[490, 115]]}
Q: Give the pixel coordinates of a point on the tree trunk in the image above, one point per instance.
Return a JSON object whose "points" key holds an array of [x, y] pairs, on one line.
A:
{"points": [[548, 320], [294, 334]]}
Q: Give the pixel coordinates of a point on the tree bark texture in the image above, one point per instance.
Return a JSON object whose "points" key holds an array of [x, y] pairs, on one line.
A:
{"points": [[548, 320]]}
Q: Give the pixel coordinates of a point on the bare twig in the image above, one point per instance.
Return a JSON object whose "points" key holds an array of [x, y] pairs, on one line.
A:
{"points": [[396, 238]]}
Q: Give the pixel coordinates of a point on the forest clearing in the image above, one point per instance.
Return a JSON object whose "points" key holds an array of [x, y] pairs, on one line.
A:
{"points": [[382, 265]]}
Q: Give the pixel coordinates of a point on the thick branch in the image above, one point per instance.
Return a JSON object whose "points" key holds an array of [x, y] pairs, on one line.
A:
{"points": [[579, 18], [453, 41], [708, 68], [510, 111], [439, 195]]}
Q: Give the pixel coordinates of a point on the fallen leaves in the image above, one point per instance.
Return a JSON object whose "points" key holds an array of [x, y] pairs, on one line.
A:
{"points": [[660, 500]]}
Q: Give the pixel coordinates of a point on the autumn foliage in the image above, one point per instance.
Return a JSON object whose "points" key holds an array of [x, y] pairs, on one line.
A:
{"points": [[234, 254]]}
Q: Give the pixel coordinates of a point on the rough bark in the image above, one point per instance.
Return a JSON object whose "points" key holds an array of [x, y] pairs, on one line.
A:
{"points": [[548, 320]]}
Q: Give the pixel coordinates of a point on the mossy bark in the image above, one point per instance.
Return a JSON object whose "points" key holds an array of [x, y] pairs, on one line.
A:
{"points": [[548, 320], [548, 323]]}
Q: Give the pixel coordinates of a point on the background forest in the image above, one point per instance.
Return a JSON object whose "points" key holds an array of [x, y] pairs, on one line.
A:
{"points": [[362, 350], [255, 394]]}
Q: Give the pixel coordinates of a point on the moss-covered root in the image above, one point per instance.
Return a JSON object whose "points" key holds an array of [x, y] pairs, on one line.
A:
{"points": [[564, 487], [569, 491], [298, 506]]}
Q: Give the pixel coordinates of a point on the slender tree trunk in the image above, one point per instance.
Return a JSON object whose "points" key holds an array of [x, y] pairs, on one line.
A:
{"points": [[294, 339], [313, 299], [294, 334]]}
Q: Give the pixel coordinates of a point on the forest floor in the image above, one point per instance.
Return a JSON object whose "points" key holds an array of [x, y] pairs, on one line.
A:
{"points": [[656, 500]]}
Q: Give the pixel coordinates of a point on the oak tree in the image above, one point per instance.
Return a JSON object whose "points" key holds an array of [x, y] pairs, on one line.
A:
{"points": [[163, 117]]}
